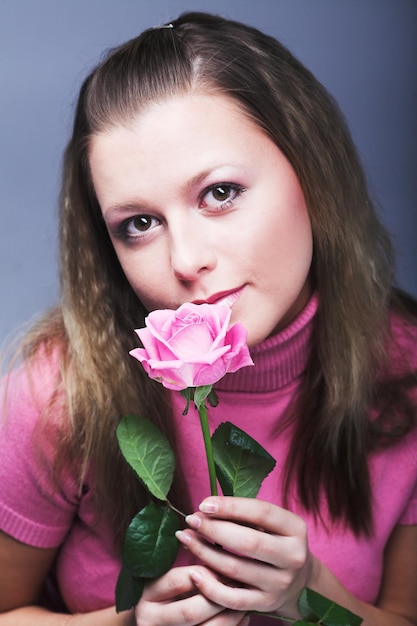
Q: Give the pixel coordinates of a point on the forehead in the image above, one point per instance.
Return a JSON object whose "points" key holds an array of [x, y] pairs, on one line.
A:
{"points": [[189, 113], [180, 136]]}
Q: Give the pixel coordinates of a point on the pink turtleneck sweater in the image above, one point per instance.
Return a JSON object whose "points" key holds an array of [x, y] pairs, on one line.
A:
{"points": [[254, 398]]}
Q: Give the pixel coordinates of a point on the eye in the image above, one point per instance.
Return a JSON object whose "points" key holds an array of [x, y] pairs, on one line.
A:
{"points": [[220, 196], [136, 227]]}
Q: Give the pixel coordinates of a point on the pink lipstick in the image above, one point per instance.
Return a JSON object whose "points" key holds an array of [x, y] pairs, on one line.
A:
{"points": [[224, 298]]}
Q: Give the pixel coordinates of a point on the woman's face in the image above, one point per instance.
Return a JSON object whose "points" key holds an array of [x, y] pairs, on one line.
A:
{"points": [[201, 206]]}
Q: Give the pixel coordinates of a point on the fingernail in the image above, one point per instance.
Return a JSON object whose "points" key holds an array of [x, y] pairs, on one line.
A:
{"points": [[208, 507], [183, 537], [193, 521], [195, 576]]}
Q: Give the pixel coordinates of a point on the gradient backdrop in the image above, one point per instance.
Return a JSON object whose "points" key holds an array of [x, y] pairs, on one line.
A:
{"points": [[364, 51]]}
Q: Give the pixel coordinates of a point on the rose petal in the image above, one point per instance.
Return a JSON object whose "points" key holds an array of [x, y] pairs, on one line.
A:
{"points": [[239, 355], [191, 346], [210, 374], [191, 340]]}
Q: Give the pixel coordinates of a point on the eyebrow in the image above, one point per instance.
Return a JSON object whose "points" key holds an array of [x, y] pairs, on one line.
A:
{"points": [[125, 207], [198, 178], [195, 180], [208, 171]]}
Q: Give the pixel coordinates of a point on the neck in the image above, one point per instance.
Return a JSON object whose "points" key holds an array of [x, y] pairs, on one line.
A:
{"points": [[279, 360]]}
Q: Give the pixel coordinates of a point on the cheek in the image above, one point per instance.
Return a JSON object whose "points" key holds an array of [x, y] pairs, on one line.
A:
{"points": [[295, 234], [285, 239], [140, 278], [146, 279], [302, 237]]}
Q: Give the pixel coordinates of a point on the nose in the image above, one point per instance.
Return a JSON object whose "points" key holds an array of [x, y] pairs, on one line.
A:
{"points": [[191, 252]]}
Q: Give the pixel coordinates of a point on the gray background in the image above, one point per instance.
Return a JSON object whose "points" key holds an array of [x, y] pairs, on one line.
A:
{"points": [[364, 51]]}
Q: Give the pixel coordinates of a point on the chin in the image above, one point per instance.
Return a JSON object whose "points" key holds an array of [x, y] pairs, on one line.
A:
{"points": [[254, 339]]}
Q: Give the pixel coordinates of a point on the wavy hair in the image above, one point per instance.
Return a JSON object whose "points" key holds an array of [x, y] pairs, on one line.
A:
{"points": [[352, 261]]}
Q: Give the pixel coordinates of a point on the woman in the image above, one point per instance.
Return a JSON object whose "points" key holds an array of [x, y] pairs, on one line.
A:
{"points": [[207, 165]]}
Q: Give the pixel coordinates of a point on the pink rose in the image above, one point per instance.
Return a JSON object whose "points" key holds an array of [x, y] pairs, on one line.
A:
{"points": [[192, 346]]}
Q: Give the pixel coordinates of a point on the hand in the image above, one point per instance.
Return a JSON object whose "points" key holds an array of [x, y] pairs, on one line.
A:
{"points": [[256, 555], [173, 600]]}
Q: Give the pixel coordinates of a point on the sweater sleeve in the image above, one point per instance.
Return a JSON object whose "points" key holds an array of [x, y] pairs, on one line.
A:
{"points": [[34, 509]]}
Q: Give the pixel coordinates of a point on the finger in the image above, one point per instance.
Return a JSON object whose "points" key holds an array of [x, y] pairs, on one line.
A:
{"points": [[279, 551], [174, 584], [232, 597], [257, 513], [173, 600], [229, 566], [228, 618], [191, 611]]}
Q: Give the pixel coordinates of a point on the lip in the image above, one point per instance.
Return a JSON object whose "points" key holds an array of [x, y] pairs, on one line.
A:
{"points": [[224, 298]]}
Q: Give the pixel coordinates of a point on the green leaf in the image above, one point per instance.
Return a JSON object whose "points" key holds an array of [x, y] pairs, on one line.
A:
{"points": [[128, 590], [305, 607], [212, 398], [200, 394], [315, 607], [275, 616], [187, 393], [148, 452], [241, 462], [150, 546]]}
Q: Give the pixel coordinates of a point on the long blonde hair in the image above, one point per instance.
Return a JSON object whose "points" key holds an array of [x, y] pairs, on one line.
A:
{"points": [[352, 265]]}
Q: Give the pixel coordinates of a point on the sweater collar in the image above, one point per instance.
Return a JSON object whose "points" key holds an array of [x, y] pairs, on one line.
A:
{"points": [[279, 360]]}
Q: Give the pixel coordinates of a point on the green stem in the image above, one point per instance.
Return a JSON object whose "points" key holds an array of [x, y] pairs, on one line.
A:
{"points": [[174, 508], [202, 411], [273, 616]]}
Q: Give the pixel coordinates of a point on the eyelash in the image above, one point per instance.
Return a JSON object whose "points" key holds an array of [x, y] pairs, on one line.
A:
{"points": [[234, 189], [123, 230]]}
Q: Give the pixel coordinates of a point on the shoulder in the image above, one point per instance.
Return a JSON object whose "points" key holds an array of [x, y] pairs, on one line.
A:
{"points": [[32, 405], [31, 387], [34, 363], [36, 502]]}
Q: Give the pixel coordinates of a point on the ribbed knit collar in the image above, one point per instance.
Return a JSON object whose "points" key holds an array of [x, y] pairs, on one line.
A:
{"points": [[279, 360]]}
